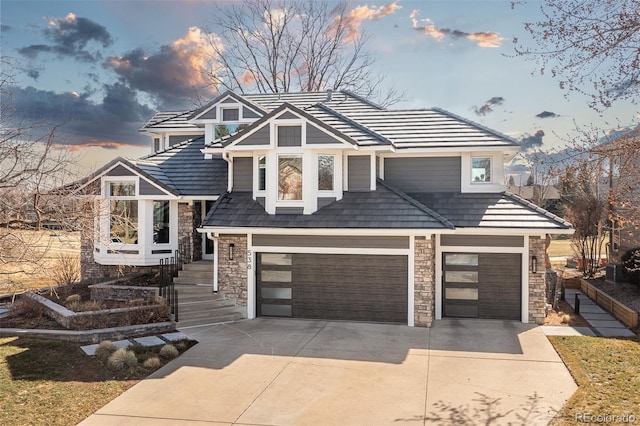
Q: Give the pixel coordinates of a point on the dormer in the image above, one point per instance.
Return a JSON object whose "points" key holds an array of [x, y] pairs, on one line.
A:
{"points": [[225, 115], [292, 163]]}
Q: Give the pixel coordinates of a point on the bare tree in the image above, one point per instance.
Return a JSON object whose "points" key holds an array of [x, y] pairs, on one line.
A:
{"points": [[591, 47], [30, 164], [274, 46]]}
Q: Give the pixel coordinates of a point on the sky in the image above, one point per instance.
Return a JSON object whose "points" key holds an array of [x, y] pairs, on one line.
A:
{"points": [[101, 68]]}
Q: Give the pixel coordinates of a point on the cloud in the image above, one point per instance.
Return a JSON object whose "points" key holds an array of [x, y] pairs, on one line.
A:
{"points": [[356, 16], [426, 26], [547, 114], [33, 73], [5, 27], [70, 36], [488, 106], [531, 141], [173, 73], [116, 119]]}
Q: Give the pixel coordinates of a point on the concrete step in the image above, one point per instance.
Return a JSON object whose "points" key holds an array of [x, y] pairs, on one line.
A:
{"points": [[196, 274], [206, 305], [194, 280], [187, 323], [200, 265], [206, 315]]}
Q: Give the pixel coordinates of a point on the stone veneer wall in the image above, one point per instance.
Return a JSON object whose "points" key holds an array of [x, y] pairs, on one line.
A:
{"points": [[537, 285], [424, 282], [196, 212], [232, 274], [185, 223]]}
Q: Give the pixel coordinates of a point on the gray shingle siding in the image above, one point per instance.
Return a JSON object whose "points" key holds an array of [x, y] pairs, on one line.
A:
{"points": [[120, 171], [316, 136], [209, 115], [331, 241], [176, 139], [359, 175], [243, 174], [423, 174], [260, 137], [146, 188], [249, 113], [482, 240]]}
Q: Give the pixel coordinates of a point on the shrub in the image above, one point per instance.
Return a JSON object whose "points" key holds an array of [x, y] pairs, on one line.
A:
{"points": [[152, 363], [631, 263], [122, 359], [105, 349], [27, 307], [169, 352], [88, 305], [66, 270], [72, 298]]}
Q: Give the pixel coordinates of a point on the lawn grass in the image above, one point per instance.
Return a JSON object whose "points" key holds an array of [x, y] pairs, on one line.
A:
{"points": [[55, 383], [51, 382], [560, 248], [607, 372]]}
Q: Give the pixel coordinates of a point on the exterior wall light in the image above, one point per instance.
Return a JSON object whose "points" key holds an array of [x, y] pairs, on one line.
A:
{"points": [[534, 264], [231, 246]]}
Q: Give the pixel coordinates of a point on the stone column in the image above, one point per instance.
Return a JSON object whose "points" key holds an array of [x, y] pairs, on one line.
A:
{"points": [[537, 285], [232, 274], [424, 281]]}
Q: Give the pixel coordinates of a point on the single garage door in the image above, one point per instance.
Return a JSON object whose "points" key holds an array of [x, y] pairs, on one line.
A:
{"points": [[482, 285], [332, 286]]}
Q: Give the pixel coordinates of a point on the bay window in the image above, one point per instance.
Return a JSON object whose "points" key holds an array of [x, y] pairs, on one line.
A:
{"points": [[262, 173], [123, 212], [161, 222]]}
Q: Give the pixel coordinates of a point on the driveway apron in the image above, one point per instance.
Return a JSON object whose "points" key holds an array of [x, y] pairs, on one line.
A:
{"points": [[301, 372]]}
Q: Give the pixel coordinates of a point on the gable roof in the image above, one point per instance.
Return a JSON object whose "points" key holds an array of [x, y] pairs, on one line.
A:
{"points": [[195, 114], [169, 120]]}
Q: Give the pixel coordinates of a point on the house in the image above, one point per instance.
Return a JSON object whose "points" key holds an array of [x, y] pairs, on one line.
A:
{"points": [[325, 205], [546, 196]]}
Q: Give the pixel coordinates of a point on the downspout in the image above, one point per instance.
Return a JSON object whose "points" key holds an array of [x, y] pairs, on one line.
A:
{"points": [[225, 157], [214, 237]]}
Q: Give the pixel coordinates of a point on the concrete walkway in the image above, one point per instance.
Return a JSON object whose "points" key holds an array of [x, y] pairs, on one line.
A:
{"points": [[288, 372], [160, 339], [602, 323]]}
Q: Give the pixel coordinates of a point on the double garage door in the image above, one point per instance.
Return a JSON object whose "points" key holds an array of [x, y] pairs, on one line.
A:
{"points": [[374, 287], [332, 286], [482, 285]]}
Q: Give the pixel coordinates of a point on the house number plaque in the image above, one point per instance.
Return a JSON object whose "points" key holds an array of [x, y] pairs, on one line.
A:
{"points": [[249, 259]]}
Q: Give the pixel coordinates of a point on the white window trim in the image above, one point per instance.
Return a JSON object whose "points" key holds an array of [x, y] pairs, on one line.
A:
{"points": [[326, 192], [491, 167], [497, 173], [288, 152]]}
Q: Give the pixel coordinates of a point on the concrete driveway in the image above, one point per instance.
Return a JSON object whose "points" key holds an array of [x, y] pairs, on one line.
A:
{"points": [[286, 372]]}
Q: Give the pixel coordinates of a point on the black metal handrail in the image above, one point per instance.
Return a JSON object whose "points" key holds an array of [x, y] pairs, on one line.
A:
{"points": [[169, 268]]}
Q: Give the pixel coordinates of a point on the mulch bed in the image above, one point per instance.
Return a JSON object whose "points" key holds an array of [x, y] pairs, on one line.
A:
{"points": [[625, 293], [565, 316]]}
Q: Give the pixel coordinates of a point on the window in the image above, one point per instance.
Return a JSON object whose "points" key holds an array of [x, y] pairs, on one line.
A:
{"points": [[262, 173], [230, 114], [289, 136], [122, 189], [481, 169], [161, 222], [325, 172], [124, 221], [222, 130], [290, 177], [123, 212]]}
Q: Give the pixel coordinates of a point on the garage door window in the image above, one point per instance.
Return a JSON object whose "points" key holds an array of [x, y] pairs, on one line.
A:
{"points": [[461, 259], [461, 276], [275, 276], [461, 293], [277, 259]]}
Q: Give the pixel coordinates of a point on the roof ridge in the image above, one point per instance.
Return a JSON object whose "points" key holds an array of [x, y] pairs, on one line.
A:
{"points": [[443, 220], [537, 208], [478, 125], [352, 122], [176, 114], [174, 146], [363, 99]]}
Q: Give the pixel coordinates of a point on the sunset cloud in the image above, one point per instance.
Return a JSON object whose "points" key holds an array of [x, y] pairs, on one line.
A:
{"points": [[69, 37], [427, 26], [531, 141], [173, 73], [359, 14], [547, 114]]}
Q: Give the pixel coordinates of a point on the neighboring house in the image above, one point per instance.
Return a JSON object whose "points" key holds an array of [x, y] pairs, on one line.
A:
{"points": [[328, 206]]}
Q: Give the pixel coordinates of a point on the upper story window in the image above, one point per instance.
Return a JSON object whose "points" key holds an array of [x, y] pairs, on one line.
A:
{"points": [[480, 169], [122, 189], [161, 222], [290, 177], [325, 172], [230, 114], [289, 136], [262, 173]]}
